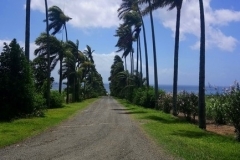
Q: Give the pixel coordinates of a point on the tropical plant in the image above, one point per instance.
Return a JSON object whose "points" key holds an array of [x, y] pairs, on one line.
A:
{"points": [[201, 93], [17, 89], [27, 29], [56, 51], [154, 50], [48, 56], [129, 6], [57, 20]]}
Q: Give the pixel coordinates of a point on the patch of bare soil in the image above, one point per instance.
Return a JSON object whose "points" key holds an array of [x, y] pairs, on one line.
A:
{"points": [[221, 129], [227, 130]]}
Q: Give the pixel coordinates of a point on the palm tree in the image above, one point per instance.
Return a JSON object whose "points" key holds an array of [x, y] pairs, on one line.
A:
{"points": [[173, 4], [55, 50], [48, 57], [154, 50], [89, 53], [58, 21], [27, 29], [201, 94], [178, 5], [132, 5]]}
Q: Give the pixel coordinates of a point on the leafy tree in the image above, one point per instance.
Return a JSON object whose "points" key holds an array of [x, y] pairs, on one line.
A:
{"points": [[17, 88]]}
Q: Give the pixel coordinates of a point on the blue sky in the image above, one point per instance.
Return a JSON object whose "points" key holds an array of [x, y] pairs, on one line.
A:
{"points": [[94, 23]]}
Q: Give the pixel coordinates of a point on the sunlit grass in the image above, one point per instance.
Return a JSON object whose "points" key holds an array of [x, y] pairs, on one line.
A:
{"points": [[183, 139], [20, 129]]}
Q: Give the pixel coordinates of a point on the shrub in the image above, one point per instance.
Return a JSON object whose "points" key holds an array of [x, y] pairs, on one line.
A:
{"points": [[56, 100], [232, 106], [215, 109], [17, 87], [188, 104], [165, 101], [39, 105]]}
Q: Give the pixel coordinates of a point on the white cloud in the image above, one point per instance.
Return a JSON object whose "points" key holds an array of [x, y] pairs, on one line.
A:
{"points": [[190, 24], [90, 13], [103, 64]]}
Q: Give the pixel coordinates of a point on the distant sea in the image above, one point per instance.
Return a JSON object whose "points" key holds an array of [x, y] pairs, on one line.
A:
{"points": [[169, 88]]}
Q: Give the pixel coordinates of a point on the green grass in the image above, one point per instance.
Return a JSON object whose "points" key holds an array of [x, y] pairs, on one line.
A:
{"points": [[21, 129], [183, 139]]}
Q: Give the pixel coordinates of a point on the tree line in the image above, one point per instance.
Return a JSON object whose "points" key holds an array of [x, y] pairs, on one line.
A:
{"points": [[27, 84], [131, 12]]}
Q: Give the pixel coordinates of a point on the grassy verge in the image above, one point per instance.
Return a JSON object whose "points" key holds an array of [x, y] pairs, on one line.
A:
{"points": [[183, 139], [22, 128]]}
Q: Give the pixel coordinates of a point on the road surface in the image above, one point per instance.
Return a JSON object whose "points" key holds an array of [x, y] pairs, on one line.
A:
{"points": [[103, 131]]}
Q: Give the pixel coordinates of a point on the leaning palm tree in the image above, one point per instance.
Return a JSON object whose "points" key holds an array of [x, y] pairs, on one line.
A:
{"points": [[55, 50], [57, 20], [48, 57], [88, 52], [27, 29], [154, 50], [201, 94], [178, 5], [132, 5]]}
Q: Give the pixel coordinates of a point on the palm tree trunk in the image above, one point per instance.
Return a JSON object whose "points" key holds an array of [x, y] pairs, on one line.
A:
{"points": [[137, 54], [140, 58], [48, 57], [60, 76], [154, 59], [145, 47], [125, 62], [27, 29], [201, 94], [67, 101], [175, 74]]}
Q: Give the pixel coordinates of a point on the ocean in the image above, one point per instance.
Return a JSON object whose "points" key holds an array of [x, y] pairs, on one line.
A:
{"points": [[169, 88]]}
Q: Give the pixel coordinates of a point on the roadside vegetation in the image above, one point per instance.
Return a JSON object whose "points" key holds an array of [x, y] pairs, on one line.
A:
{"points": [[182, 138], [15, 131]]}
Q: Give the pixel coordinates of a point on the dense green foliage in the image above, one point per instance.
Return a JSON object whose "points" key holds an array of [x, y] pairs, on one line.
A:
{"points": [[17, 93]]}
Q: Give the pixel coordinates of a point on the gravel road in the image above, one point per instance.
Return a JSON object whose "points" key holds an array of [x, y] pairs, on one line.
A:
{"points": [[103, 131]]}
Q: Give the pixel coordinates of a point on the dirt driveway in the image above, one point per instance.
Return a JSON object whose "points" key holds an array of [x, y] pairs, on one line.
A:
{"points": [[103, 131]]}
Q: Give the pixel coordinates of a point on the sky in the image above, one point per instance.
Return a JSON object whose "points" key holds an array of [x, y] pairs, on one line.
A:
{"points": [[94, 23]]}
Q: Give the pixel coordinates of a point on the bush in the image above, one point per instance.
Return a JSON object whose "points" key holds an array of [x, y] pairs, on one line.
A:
{"points": [[188, 104], [56, 100], [232, 106], [39, 105], [165, 102], [17, 87], [215, 109]]}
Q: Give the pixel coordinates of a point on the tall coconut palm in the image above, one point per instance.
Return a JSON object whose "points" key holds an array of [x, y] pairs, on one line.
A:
{"points": [[132, 5], [27, 29], [150, 6], [48, 56], [58, 21], [178, 5], [55, 52], [88, 52], [201, 94]]}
